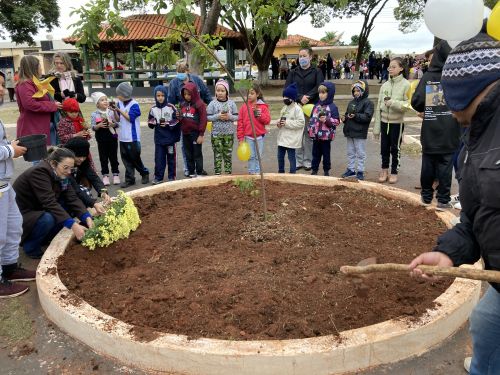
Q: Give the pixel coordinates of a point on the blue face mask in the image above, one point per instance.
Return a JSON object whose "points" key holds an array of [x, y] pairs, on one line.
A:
{"points": [[304, 62], [182, 76]]}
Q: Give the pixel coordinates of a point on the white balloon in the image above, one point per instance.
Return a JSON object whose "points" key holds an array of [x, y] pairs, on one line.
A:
{"points": [[454, 20], [453, 43]]}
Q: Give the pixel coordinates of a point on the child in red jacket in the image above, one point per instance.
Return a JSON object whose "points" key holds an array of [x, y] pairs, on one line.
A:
{"points": [[259, 112]]}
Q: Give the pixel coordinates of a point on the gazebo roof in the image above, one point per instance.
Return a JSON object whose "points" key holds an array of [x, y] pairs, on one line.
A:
{"points": [[146, 29]]}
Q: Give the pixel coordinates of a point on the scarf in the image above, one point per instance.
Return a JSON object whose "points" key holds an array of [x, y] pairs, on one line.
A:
{"points": [[66, 82]]}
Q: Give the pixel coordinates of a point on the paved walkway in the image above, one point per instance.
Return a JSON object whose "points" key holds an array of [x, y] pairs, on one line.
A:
{"points": [[48, 350]]}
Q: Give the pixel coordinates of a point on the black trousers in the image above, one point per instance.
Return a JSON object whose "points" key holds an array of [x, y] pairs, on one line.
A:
{"points": [[321, 149], [11, 93], [131, 158], [390, 145], [108, 153], [194, 155], [436, 167]]}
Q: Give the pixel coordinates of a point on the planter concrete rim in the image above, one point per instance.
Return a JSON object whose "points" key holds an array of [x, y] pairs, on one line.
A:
{"points": [[60, 306]]}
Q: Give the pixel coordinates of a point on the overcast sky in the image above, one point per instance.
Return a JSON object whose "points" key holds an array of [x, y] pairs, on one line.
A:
{"points": [[385, 35]]}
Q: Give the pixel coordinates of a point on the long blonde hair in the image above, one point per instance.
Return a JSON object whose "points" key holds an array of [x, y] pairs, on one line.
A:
{"points": [[65, 59], [28, 68]]}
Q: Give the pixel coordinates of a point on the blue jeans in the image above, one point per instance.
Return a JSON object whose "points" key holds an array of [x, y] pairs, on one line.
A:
{"points": [[291, 159], [485, 332], [43, 232], [165, 155], [253, 162]]}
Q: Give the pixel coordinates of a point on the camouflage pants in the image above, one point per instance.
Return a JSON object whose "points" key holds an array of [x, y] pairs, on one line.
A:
{"points": [[223, 151]]}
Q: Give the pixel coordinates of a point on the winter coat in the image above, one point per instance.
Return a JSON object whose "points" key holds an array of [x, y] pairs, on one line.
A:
{"points": [[324, 131], [397, 89], [244, 128], [440, 132], [85, 175], [78, 94], [307, 80], [214, 109], [362, 108], [34, 114], [169, 132], [175, 86], [109, 134], [66, 129], [291, 134], [193, 113], [38, 190], [479, 179], [6, 160]]}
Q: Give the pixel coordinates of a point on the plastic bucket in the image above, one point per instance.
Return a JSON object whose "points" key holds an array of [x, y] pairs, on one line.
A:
{"points": [[36, 145]]}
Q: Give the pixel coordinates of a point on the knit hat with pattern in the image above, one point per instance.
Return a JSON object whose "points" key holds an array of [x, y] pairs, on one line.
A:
{"points": [[470, 67]]}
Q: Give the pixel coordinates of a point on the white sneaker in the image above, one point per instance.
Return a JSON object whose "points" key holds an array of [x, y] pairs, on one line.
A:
{"points": [[467, 362], [116, 180], [457, 206], [455, 198], [105, 180]]}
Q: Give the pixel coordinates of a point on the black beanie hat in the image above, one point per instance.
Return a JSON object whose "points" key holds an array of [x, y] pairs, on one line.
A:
{"points": [[79, 145]]}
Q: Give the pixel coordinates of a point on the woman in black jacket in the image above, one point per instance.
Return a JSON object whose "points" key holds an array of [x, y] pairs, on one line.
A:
{"points": [[66, 84]]}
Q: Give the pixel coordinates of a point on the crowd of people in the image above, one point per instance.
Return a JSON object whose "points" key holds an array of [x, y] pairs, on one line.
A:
{"points": [[456, 89]]}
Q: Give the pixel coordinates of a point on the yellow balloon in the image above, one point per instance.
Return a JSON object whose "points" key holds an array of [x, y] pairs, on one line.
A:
{"points": [[243, 151], [411, 90], [307, 109], [493, 25], [209, 126]]}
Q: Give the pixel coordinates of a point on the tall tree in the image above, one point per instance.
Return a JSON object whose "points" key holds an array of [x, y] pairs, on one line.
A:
{"points": [[369, 9], [22, 19], [366, 50], [332, 38]]}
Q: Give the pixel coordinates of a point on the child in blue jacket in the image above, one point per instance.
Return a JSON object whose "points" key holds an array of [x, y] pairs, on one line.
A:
{"points": [[322, 125], [162, 118]]}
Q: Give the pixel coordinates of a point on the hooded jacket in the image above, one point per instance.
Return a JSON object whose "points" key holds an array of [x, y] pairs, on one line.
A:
{"points": [[307, 80], [168, 130], [440, 132], [193, 113], [479, 179], [362, 108], [244, 128], [397, 89], [324, 131], [291, 134]]}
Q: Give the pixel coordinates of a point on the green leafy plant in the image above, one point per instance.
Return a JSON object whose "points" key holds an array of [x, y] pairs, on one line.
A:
{"points": [[247, 186]]}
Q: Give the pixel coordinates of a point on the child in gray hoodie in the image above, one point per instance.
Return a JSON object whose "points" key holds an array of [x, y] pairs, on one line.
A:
{"points": [[10, 218]]}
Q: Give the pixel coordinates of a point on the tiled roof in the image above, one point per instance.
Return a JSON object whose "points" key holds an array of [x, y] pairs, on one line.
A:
{"points": [[295, 39], [149, 27]]}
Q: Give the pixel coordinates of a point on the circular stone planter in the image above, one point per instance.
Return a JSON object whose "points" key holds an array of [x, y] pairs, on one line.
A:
{"points": [[386, 342]]}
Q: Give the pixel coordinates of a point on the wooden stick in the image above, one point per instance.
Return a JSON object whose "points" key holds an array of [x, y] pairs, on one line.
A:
{"points": [[465, 273]]}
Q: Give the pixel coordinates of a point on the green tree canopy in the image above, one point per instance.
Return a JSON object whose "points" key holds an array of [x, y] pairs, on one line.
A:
{"points": [[22, 19], [367, 48]]}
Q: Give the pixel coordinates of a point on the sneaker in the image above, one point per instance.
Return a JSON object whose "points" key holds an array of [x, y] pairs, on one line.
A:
{"points": [[186, 173], [126, 184], [204, 173], [443, 206], [145, 179], [116, 180], [455, 198], [348, 173], [393, 178], [457, 205], [424, 202], [105, 180], [299, 167], [15, 272], [382, 176], [307, 168], [327, 173], [360, 176], [467, 362], [156, 182], [314, 173], [8, 289], [191, 176]]}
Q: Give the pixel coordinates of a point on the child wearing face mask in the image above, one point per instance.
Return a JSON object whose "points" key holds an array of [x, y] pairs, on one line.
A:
{"points": [[163, 119], [324, 120], [223, 112], [356, 121], [291, 127]]}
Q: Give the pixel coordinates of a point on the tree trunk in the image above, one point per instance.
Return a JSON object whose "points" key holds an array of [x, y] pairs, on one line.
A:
{"points": [[263, 78], [263, 60]]}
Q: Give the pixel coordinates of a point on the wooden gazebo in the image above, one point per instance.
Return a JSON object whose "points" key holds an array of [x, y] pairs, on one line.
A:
{"points": [[145, 30]]}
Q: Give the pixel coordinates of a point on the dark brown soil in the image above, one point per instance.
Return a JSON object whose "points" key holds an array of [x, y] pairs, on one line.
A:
{"points": [[204, 264]]}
